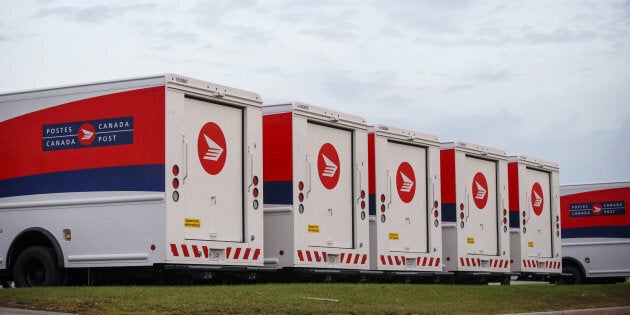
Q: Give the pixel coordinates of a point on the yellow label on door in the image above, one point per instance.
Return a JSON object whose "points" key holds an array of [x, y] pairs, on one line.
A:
{"points": [[530, 244], [313, 228], [192, 223], [393, 236], [470, 240]]}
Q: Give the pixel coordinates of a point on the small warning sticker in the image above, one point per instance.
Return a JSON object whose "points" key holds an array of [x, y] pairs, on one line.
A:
{"points": [[192, 223], [393, 236], [313, 228], [470, 240], [530, 244]]}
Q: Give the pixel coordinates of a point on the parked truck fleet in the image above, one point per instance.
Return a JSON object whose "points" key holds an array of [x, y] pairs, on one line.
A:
{"points": [[172, 176]]}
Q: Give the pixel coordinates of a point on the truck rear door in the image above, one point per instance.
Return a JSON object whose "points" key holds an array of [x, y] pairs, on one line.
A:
{"points": [[538, 236], [481, 217], [213, 187], [328, 204], [407, 218]]}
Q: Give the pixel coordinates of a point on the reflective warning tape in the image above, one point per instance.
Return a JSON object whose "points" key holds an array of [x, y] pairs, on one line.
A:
{"points": [[308, 255], [402, 260], [553, 264], [470, 261], [499, 263], [549, 264], [476, 262], [231, 253], [322, 256], [352, 258], [393, 260]]}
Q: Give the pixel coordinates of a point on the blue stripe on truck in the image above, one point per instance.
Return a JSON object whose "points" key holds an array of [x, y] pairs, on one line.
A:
{"points": [[120, 178], [622, 231]]}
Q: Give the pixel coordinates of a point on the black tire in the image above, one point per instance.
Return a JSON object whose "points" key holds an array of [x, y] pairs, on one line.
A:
{"points": [[36, 267], [576, 275]]}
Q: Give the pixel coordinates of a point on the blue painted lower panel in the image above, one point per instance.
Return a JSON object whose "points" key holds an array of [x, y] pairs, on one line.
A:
{"points": [[514, 219], [448, 212], [372, 204], [597, 231], [120, 178], [278, 192]]}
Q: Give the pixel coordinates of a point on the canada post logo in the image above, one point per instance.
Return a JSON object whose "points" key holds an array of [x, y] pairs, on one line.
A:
{"points": [[211, 148], [405, 182], [537, 199], [480, 190], [86, 134], [328, 165], [588, 209]]}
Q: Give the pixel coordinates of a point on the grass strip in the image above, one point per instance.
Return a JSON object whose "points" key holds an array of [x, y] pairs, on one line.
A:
{"points": [[340, 298]]}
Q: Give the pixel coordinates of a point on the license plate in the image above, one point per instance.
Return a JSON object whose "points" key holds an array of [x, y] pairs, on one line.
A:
{"points": [[214, 255], [409, 262], [333, 259]]}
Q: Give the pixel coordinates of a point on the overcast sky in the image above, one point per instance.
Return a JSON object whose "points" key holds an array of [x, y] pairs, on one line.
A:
{"points": [[548, 79]]}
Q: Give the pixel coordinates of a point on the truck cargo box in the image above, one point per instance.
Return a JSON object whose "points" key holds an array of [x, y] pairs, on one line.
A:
{"points": [[316, 180], [474, 208], [137, 172], [534, 216], [404, 189], [595, 231]]}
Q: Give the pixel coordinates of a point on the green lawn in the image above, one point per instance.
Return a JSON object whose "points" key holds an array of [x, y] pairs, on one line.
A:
{"points": [[317, 298]]}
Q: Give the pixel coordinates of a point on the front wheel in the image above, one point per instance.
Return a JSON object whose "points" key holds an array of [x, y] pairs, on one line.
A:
{"points": [[36, 267], [576, 275]]}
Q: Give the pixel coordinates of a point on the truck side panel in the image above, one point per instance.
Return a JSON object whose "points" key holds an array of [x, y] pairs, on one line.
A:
{"points": [[91, 172], [47, 151], [596, 228]]}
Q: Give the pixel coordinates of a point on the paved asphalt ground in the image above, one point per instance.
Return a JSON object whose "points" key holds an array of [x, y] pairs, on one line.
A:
{"points": [[17, 311]]}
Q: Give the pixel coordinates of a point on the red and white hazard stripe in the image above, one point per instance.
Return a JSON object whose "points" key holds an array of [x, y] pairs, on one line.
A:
{"points": [[470, 262], [202, 251], [499, 263], [392, 260], [352, 258], [322, 256], [530, 263], [549, 264], [428, 261], [476, 262], [312, 255], [553, 264]]}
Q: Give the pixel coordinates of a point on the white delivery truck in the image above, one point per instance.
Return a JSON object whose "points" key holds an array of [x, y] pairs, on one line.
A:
{"points": [[160, 172], [316, 181], [404, 194], [595, 232], [475, 236], [534, 206]]}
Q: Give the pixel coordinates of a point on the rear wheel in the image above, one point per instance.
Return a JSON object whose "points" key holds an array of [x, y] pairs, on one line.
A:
{"points": [[36, 267]]}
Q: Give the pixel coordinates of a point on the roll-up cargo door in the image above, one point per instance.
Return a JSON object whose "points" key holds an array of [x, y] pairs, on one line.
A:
{"points": [[407, 214], [328, 206], [480, 227], [538, 235], [212, 191]]}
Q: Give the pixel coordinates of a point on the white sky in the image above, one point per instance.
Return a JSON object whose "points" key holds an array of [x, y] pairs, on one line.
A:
{"points": [[548, 79]]}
